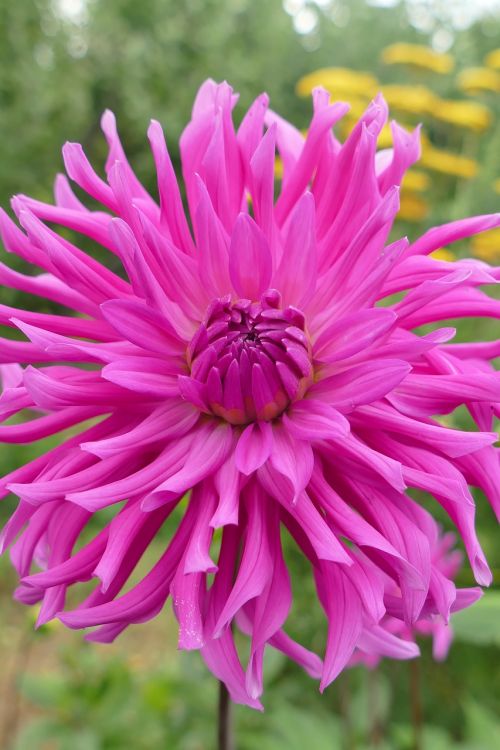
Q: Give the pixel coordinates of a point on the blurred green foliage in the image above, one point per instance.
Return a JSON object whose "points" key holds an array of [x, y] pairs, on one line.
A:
{"points": [[62, 62]]}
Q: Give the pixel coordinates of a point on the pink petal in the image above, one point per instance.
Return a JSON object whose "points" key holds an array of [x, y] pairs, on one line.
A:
{"points": [[250, 262], [254, 447]]}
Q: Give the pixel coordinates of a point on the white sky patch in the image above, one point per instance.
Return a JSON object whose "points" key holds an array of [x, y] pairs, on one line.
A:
{"points": [[442, 40], [74, 11], [459, 14], [424, 15], [305, 20]]}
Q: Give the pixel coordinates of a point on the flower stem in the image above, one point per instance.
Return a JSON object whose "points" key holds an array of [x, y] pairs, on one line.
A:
{"points": [[416, 704], [225, 734]]}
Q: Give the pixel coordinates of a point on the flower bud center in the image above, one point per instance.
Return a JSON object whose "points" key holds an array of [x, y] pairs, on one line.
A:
{"points": [[250, 360]]}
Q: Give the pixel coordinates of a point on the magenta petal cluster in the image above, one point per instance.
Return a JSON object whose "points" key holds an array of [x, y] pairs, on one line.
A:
{"points": [[256, 365], [397, 633]]}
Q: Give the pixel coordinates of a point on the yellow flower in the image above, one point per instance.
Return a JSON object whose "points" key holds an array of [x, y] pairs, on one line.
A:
{"points": [[357, 107], [476, 80], [496, 186], [465, 114], [492, 59], [488, 254], [417, 100], [446, 162], [486, 245], [412, 207], [416, 180], [278, 168], [443, 254], [418, 56], [32, 617], [385, 137], [341, 82]]}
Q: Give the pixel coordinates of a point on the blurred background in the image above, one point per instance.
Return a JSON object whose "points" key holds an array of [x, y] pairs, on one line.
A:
{"points": [[62, 62]]}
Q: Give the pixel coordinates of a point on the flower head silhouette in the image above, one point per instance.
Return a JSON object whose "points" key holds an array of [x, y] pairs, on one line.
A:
{"points": [[259, 363]]}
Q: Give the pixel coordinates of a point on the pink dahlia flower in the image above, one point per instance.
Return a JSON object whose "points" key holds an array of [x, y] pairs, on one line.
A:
{"points": [[251, 364]]}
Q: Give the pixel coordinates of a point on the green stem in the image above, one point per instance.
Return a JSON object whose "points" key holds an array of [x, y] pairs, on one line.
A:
{"points": [[225, 734], [416, 704]]}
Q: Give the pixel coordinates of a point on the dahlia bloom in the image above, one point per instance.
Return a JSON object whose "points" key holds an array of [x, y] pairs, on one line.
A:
{"points": [[250, 364]]}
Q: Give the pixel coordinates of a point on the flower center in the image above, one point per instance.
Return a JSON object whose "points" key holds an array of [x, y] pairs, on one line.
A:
{"points": [[250, 359]]}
